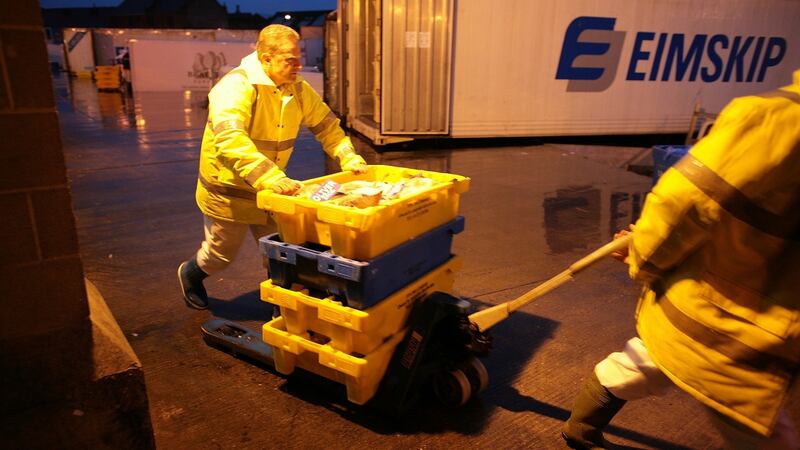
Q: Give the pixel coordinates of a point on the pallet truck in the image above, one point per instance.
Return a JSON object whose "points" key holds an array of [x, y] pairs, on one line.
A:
{"points": [[443, 342]]}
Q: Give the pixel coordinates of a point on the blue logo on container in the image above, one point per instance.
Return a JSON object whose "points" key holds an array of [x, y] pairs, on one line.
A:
{"points": [[590, 54], [592, 51]]}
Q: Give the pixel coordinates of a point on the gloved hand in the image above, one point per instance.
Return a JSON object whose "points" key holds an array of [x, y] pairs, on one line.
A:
{"points": [[354, 162], [286, 186], [622, 255], [359, 168]]}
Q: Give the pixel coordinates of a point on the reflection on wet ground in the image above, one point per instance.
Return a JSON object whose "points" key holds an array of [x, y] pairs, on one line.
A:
{"points": [[530, 212]]}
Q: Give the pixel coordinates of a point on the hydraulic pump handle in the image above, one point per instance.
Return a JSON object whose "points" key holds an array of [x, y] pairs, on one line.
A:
{"points": [[489, 317], [600, 253]]}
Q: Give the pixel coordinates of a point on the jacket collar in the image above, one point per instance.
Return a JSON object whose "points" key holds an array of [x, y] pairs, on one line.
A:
{"points": [[255, 72]]}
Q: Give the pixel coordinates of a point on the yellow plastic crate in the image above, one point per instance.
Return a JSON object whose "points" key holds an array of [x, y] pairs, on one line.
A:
{"points": [[360, 375], [107, 69], [349, 330], [108, 85], [362, 234]]}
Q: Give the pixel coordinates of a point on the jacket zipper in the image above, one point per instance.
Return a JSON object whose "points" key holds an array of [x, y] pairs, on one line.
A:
{"points": [[285, 99]]}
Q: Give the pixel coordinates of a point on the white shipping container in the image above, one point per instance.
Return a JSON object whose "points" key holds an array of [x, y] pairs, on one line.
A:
{"points": [[80, 56], [482, 68], [182, 65]]}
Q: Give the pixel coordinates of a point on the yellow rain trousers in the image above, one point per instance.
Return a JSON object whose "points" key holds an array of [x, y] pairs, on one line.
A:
{"points": [[718, 247]]}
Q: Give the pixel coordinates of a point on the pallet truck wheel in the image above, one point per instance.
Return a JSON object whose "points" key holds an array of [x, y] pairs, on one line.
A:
{"points": [[452, 387], [476, 373]]}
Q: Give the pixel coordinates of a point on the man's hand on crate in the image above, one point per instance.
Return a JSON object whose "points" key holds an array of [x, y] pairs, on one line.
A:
{"points": [[359, 168], [350, 160], [286, 186]]}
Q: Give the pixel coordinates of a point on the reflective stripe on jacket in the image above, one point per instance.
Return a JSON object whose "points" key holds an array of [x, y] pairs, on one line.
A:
{"points": [[250, 135], [718, 244]]}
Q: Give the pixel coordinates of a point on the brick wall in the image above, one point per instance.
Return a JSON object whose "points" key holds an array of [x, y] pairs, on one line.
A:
{"points": [[45, 333], [41, 276], [50, 394], [47, 380]]}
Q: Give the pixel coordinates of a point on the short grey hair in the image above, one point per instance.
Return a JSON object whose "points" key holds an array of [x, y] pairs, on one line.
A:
{"points": [[271, 38]]}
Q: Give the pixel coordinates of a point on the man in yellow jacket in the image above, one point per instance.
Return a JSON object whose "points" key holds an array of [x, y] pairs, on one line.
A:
{"points": [[254, 114], [718, 249]]}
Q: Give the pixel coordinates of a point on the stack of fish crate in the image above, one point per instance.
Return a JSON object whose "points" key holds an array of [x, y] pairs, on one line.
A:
{"points": [[345, 278], [108, 78]]}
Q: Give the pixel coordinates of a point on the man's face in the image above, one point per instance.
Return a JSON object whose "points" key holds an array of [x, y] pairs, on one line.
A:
{"points": [[283, 66]]}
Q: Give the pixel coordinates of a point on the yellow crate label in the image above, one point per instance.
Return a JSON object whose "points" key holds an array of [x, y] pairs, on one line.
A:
{"points": [[412, 297], [417, 209]]}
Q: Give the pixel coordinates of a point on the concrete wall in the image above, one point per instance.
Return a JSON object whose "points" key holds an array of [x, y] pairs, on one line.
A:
{"points": [[66, 380]]}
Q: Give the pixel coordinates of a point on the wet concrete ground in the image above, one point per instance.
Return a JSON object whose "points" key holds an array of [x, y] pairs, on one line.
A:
{"points": [[530, 212]]}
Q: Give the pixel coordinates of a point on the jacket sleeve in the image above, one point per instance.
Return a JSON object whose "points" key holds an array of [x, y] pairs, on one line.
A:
{"points": [[319, 118], [678, 215], [670, 228], [229, 110]]}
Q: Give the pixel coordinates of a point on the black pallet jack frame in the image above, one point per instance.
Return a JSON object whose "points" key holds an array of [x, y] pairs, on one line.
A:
{"points": [[440, 350]]}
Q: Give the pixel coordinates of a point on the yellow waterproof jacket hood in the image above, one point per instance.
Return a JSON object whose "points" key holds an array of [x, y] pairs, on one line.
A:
{"points": [[718, 245], [250, 136]]}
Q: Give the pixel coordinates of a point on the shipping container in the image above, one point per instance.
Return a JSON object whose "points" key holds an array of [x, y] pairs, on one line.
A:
{"points": [[80, 57], [408, 69]]}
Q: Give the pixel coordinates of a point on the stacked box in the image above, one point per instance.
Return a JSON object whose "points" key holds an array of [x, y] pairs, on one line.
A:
{"points": [[358, 284], [353, 330], [347, 345], [345, 279], [360, 375], [107, 77], [364, 233]]}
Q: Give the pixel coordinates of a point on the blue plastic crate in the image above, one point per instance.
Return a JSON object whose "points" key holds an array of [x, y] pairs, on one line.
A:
{"points": [[664, 156], [358, 284]]}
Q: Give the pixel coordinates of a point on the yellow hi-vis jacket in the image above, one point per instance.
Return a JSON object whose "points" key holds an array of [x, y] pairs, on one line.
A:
{"points": [[249, 137], [718, 246]]}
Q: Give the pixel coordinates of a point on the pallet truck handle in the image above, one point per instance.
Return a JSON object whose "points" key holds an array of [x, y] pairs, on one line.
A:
{"points": [[486, 318], [588, 260]]}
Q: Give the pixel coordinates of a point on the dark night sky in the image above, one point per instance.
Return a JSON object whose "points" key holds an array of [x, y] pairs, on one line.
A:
{"points": [[264, 7]]}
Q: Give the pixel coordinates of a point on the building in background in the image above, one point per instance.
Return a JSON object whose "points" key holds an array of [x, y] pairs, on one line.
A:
{"points": [[170, 14], [182, 14], [238, 20], [192, 14]]}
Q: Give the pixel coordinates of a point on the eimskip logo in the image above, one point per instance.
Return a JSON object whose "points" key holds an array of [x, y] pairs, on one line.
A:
{"points": [[590, 54], [592, 51]]}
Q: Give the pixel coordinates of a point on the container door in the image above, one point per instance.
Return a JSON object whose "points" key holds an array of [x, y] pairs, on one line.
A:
{"points": [[415, 66], [332, 67], [361, 46]]}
